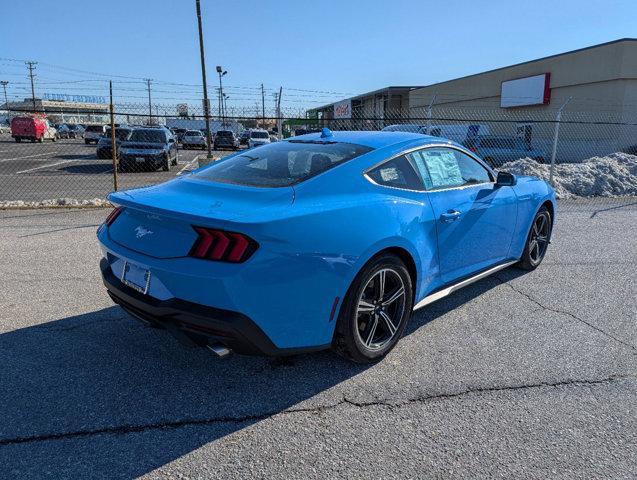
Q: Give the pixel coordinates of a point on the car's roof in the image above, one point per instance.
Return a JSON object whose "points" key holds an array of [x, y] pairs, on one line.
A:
{"points": [[373, 139]]}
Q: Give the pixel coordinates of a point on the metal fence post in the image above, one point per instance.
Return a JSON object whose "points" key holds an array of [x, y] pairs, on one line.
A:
{"points": [[558, 119], [113, 142], [429, 113]]}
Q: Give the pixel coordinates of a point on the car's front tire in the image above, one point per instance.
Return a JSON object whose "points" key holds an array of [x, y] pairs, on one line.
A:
{"points": [[537, 241], [375, 310]]}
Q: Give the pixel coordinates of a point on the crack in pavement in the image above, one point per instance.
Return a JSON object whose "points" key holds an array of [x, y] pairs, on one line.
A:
{"points": [[564, 312], [74, 227], [392, 404]]}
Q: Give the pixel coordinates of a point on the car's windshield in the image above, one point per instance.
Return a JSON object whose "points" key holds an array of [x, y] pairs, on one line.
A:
{"points": [[95, 128], [224, 133], [149, 136], [281, 164], [259, 135], [193, 133]]}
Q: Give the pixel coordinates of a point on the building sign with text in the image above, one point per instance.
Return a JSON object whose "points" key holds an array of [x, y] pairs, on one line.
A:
{"points": [[343, 109]]}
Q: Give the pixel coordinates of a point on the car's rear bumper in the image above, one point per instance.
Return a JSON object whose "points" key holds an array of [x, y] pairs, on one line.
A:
{"points": [[193, 323], [155, 159]]}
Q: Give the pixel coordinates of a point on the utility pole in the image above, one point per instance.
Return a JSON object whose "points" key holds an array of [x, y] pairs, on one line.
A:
{"points": [[206, 103], [31, 66], [225, 105], [263, 104], [221, 73], [4, 84], [150, 107]]}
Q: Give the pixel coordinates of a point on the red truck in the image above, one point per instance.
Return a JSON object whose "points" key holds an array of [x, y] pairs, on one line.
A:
{"points": [[32, 128]]}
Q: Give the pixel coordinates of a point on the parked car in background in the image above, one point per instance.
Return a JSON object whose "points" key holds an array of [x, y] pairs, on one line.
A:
{"points": [[497, 150], [226, 139], [35, 129], [148, 148], [266, 271], [244, 136], [179, 133], [77, 131], [92, 133], [193, 139], [63, 131], [104, 144], [258, 137]]}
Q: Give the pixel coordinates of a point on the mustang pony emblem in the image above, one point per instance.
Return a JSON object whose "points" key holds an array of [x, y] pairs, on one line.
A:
{"points": [[142, 231]]}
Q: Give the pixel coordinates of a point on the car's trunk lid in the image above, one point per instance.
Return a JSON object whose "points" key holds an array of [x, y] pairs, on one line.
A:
{"points": [[158, 220]]}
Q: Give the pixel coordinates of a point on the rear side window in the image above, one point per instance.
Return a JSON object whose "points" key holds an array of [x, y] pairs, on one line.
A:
{"points": [[398, 173], [281, 164], [446, 167]]}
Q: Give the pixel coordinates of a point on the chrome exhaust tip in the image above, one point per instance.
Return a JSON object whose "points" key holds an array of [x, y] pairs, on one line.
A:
{"points": [[219, 350]]}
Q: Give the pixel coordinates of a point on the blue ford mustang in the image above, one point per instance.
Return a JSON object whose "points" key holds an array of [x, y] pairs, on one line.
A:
{"points": [[325, 240]]}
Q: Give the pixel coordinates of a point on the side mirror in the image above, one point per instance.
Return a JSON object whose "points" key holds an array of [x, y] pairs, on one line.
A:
{"points": [[505, 179]]}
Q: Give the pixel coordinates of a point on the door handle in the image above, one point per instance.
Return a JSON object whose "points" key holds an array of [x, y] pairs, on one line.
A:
{"points": [[450, 216]]}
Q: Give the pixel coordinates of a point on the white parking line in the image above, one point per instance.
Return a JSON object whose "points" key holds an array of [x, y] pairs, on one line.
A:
{"points": [[188, 165], [52, 154], [50, 165]]}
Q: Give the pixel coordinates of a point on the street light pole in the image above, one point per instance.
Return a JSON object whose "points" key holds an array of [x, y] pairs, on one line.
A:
{"points": [[221, 73], [206, 103]]}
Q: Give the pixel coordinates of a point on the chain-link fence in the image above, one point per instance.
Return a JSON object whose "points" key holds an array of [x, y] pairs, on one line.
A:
{"points": [[61, 156]]}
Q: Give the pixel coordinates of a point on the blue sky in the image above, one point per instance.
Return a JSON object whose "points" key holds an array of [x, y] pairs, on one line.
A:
{"points": [[346, 47]]}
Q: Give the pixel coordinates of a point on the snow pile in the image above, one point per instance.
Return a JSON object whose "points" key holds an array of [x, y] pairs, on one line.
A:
{"points": [[612, 176], [56, 202]]}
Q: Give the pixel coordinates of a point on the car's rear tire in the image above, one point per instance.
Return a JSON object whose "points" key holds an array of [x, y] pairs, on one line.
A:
{"points": [[373, 318], [537, 241]]}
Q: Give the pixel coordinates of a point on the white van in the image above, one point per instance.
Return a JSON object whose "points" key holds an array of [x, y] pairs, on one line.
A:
{"points": [[456, 132]]}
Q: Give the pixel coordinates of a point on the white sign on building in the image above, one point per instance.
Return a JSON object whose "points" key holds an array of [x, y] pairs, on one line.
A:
{"points": [[535, 90], [343, 109]]}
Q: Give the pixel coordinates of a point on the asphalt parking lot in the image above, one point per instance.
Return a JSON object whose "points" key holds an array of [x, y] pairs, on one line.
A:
{"points": [[523, 375], [70, 169]]}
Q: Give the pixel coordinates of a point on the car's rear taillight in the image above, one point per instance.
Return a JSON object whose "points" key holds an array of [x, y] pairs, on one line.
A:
{"points": [[222, 246], [112, 216]]}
